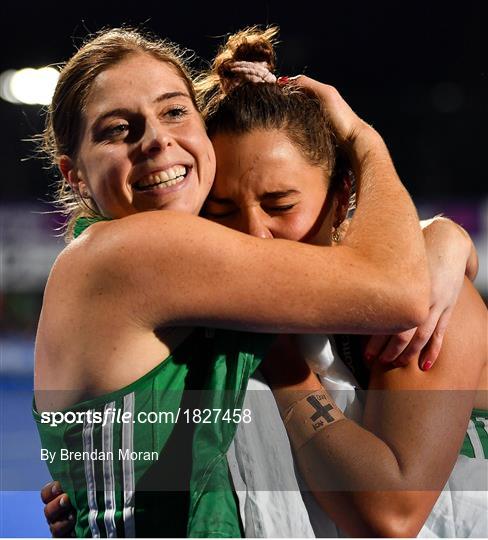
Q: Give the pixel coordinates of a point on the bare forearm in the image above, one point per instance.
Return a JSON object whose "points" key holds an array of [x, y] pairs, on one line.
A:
{"points": [[346, 466], [413, 429], [385, 225], [359, 482], [349, 467], [334, 453], [384, 233], [344, 456]]}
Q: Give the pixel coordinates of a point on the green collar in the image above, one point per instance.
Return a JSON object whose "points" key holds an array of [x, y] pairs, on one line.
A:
{"points": [[83, 223]]}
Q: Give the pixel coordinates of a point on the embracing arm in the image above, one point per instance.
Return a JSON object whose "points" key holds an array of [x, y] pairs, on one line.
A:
{"points": [[383, 478], [451, 255], [178, 269]]}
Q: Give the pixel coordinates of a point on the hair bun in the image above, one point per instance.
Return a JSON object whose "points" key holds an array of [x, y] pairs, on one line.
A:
{"points": [[253, 45], [249, 45]]}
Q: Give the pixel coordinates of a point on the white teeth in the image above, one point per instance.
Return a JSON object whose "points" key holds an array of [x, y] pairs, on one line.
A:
{"points": [[162, 179]]}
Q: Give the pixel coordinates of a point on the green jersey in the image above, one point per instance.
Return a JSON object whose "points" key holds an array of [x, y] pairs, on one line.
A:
{"points": [[150, 459], [475, 443]]}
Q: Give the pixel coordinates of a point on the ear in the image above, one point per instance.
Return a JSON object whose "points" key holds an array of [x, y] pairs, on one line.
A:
{"points": [[342, 199], [72, 175]]}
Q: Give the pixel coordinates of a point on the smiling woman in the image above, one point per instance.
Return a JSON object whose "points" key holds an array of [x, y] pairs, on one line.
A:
{"points": [[123, 125], [125, 105]]}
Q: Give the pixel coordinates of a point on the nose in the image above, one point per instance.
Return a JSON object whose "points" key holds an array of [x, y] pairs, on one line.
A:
{"points": [[155, 138], [256, 223]]}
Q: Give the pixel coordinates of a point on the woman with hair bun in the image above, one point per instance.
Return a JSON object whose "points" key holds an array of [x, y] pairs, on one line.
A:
{"points": [[277, 177], [128, 139]]}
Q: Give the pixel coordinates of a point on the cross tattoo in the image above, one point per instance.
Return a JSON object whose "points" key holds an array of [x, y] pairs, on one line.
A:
{"points": [[320, 410]]}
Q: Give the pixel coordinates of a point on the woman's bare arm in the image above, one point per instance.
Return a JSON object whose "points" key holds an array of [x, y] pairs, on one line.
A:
{"points": [[173, 269], [451, 255], [383, 478]]}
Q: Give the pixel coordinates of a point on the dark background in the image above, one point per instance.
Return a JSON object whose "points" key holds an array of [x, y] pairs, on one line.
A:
{"points": [[417, 71]]}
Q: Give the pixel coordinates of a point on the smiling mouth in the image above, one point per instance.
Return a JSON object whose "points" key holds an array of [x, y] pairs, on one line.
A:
{"points": [[162, 179]]}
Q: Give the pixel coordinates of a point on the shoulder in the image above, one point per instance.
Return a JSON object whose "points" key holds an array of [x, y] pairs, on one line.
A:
{"points": [[144, 232], [143, 264], [109, 245]]}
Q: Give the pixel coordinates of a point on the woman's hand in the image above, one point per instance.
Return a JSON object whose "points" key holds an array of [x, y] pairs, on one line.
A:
{"points": [[451, 256], [344, 121], [59, 513]]}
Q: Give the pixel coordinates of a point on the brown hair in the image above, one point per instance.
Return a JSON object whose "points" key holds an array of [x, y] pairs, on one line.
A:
{"points": [[231, 108], [64, 116]]}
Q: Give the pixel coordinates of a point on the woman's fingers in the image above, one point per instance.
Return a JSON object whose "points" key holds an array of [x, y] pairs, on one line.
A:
{"points": [[422, 336], [430, 353], [58, 509], [50, 491], [396, 345], [59, 513], [424, 343], [374, 347], [64, 528], [345, 122]]}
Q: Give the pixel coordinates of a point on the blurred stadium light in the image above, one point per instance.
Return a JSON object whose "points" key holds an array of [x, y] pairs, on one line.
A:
{"points": [[28, 86]]}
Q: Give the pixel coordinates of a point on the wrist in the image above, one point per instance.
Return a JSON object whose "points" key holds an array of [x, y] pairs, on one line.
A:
{"points": [[449, 237], [286, 394], [472, 255], [366, 146], [363, 136], [309, 415], [472, 265]]}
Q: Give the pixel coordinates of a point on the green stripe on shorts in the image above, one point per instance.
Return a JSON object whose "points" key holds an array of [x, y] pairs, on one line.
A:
{"points": [[475, 443]]}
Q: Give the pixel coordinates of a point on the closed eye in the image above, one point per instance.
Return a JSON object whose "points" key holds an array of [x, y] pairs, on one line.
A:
{"points": [[281, 208]]}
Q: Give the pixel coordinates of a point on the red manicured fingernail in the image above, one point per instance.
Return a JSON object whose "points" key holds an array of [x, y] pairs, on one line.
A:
{"points": [[427, 365], [282, 80]]}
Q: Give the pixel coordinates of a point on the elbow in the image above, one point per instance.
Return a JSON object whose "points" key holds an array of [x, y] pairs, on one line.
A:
{"points": [[401, 524], [400, 294], [413, 310], [400, 528], [412, 302], [399, 309], [381, 514]]}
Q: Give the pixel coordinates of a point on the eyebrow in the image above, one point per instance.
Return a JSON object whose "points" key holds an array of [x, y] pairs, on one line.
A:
{"points": [[269, 195], [278, 194], [122, 111], [170, 95]]}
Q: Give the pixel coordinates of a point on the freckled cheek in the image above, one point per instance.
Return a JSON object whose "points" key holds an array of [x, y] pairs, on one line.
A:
{"points": [[203, 153], [110, 177], [194, 141]]}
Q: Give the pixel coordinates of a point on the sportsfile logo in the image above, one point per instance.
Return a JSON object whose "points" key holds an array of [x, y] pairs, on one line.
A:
{"points": [[108, 415], [118, 416]]}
